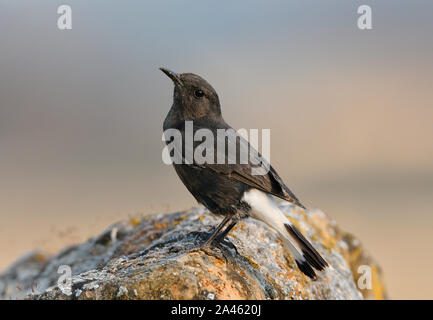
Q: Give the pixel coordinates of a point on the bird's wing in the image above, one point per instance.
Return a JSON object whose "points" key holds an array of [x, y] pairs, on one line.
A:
{"points": [[268, 181]]}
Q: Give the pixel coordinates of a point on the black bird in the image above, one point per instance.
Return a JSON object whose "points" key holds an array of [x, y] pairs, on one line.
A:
{"points": [[230, 189]]}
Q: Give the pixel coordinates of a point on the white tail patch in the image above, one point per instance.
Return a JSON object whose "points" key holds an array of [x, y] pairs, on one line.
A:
{"points": [[265, 209]]}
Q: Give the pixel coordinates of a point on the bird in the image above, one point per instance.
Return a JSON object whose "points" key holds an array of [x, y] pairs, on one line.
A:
{"points": [[229, 189]]}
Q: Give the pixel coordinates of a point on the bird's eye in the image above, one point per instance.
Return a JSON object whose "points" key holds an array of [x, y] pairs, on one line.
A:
{"points": [[198, 93]]}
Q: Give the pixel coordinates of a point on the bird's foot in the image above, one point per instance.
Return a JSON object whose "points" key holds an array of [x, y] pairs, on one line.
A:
{"points": [[216, 247], [220, 241]]}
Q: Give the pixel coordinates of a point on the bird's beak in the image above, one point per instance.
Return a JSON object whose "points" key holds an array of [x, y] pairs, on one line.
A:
{"points": [[173, 76]]}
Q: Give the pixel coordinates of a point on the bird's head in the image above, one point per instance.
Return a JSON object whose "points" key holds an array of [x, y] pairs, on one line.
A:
{"points": [[193, 96]]}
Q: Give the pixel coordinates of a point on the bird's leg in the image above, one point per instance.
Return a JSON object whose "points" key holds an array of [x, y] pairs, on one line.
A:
{"points": [[215, 233], [220, 237]]}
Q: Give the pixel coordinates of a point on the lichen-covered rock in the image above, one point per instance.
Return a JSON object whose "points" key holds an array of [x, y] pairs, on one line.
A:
{"points": [[157, 257]]}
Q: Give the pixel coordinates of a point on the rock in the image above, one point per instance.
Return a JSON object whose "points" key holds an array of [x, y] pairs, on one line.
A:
{"points": [[156, 257]]}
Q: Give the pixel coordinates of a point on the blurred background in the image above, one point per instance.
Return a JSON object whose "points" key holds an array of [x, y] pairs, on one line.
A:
{"points": [[350, 113]]}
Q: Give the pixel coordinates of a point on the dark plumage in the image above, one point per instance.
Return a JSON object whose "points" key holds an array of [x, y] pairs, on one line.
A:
{"points": [[224, 188]]}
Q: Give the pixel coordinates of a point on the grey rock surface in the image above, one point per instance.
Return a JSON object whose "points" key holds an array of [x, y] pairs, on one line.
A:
{"points": [[157, 257]]}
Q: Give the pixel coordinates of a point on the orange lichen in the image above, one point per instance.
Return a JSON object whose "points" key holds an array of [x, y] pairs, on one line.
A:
{"points": [[159, 226], [134, 221]]}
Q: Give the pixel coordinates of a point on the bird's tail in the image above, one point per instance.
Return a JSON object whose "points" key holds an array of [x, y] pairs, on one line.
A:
{"points": [[265, 209], [310, 258]]}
